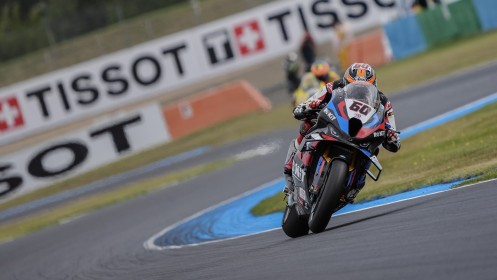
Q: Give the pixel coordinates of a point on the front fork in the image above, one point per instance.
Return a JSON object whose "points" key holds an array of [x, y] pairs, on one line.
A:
{"points": [[305, 194], [356, 177], [323, 165]]}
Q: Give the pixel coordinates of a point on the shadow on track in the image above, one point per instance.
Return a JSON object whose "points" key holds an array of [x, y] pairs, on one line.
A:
{"points": [[389, 212]]}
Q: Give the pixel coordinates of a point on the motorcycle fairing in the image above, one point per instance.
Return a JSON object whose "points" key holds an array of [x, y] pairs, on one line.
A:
{"points": [[338, 107]]}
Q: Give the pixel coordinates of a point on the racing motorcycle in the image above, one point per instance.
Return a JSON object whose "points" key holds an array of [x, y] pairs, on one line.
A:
{"points": [[339, 148]]}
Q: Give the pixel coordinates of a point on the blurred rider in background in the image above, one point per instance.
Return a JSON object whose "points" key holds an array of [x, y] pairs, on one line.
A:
{"points": [[357, 72], [308, 50], [319, 75], [291, 67]]}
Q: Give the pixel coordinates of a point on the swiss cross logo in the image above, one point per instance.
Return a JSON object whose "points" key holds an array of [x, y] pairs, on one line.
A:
{"points": [[10, 114], [249, 38]]}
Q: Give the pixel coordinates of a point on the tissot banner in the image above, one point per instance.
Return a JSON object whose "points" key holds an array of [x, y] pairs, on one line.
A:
{"points": [[103, 142], [160, 66]]}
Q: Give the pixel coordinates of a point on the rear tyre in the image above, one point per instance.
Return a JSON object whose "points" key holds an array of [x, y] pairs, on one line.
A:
{"points": [[293, 225], [329, 198]]}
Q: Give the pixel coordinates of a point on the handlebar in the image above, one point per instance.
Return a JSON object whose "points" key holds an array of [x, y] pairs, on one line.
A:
{"points": [[313, 110], [389, 127]]}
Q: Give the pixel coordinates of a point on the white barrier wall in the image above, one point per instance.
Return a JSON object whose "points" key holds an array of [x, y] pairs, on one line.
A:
{"points": [[165, 64], [68, 155]]}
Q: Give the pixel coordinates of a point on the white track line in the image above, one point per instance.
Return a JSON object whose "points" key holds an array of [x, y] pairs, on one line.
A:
{"points": [[149, 244]]}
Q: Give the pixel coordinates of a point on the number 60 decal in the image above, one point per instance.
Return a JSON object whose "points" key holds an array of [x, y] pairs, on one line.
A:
{"points": [[360, 107]]}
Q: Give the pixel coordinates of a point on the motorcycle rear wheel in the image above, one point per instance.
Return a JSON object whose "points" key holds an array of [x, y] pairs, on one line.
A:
{"points": [[293, 225], [329, 197]]}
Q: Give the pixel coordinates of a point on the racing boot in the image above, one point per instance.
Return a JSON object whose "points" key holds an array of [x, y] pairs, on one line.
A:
{"points": [[287, 169]]}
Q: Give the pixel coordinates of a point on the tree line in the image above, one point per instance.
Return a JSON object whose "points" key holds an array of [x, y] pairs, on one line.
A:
{"points": [[28, 25]]}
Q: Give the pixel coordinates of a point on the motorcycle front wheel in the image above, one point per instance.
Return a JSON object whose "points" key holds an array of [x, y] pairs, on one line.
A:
{"points": [[329, 198]]}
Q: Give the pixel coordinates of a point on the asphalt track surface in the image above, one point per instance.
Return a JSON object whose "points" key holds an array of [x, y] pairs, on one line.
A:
{"points": [[449, 235]]}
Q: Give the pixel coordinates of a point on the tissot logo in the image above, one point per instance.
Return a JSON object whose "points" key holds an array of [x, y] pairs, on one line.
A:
{"points": [[218, 46], [249, 38], [10, 114], [81, 150]]}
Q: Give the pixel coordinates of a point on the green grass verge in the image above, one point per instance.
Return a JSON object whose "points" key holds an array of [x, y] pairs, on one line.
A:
{"points": [[463, 148]]}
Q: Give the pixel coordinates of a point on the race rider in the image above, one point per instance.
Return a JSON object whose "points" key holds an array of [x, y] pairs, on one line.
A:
{"points": [[356, 72], [320, 74], [291, 67], [308, 50]]}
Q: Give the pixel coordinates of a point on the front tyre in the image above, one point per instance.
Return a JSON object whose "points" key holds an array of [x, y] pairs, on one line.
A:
{"points": [[329, 198], [293, 225]]}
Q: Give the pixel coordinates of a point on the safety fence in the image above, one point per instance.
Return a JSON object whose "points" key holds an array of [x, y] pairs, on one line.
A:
{"points": [[413, 34]]}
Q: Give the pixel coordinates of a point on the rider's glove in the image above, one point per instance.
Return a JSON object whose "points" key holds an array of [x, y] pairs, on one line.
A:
{"points": [[300, 112], [392, 137], [314, 103]]}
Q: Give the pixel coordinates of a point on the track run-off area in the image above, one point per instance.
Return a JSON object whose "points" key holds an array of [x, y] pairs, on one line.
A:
{"points": [[447, 235]]}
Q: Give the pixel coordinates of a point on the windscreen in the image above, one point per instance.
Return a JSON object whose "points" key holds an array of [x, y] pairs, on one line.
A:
{"points": [[363, 92], [362, 101]]}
